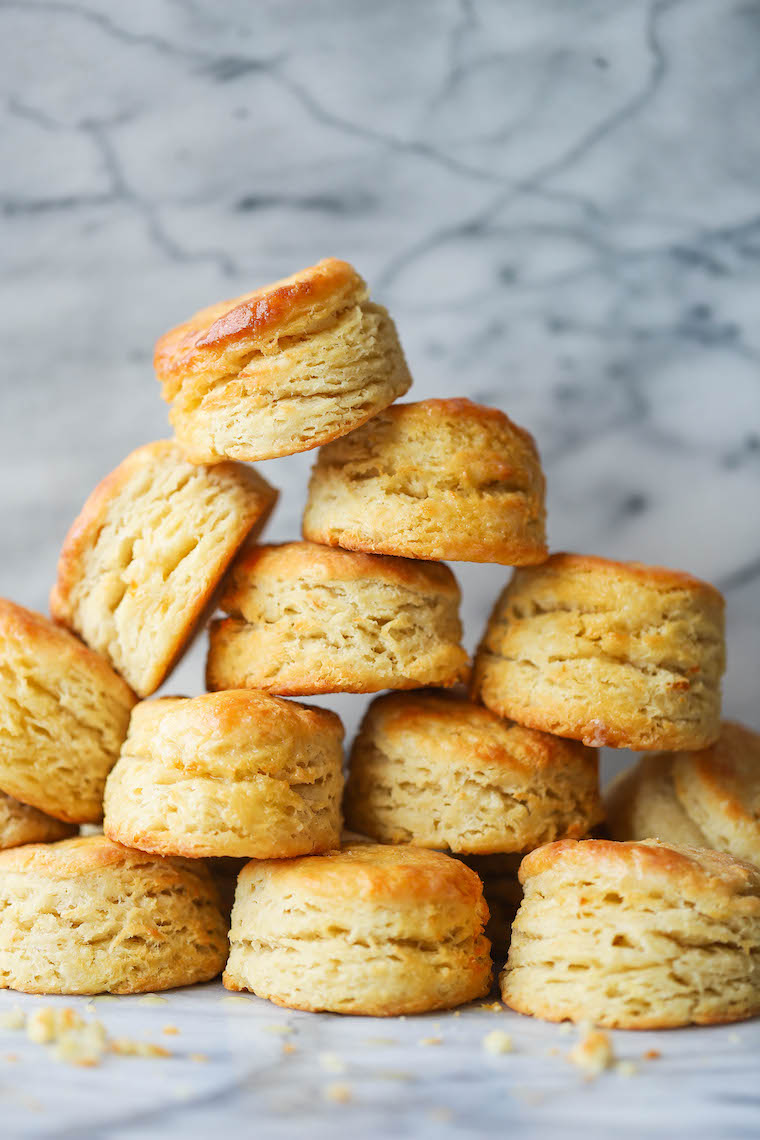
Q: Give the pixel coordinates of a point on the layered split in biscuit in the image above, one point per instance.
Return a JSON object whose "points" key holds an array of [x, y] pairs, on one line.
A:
{"points": [[709, 798], [88, 916], [228, 774], [368, 930], [141, 562], [63, 716], [610, 653], [305, 619], [635, 936], [441, 479], [283, 369], [437, 771]]}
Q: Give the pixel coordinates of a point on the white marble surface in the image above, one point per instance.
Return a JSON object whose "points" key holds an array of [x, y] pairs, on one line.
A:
{"points": [[560, 204]]}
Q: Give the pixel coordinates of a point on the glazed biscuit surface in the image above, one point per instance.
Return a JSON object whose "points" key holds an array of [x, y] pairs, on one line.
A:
{"points": [[439, 479], [367, 930], [609, 653], [141, 562], [305, 619], [642, 935], [63, 716], [283, 369], [437, 771], [87, 916], [236, 774]]}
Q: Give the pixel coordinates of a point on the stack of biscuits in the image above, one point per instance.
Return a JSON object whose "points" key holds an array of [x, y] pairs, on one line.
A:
{"points": [[472, 788]]}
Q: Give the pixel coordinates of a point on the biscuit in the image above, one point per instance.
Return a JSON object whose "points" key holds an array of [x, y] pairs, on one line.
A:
{"points": [[610, 653], [142, 560], [63, 716], [635, 935], [237, 774], [306, 619], [367, 930], [88, 916], [20, 823], [709, 798], [439, 479], [283, 369], [437, 771]]}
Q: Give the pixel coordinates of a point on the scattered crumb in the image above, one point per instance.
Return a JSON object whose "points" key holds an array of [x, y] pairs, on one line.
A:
{"points": [[331, 1062], [170, 1030], [90, 1007], [734, 1038], [497, 1041], [338, 1093], [126, 1047], [277, 1029], [457, 1013], [152, 999], [430, 1041], [288, 1048], [235, 999], [592, 1053], [11, 1057], [652, 1054], [440, 1114], [83, 1045], [47, 1024], [626, 1069], [200, 1058], [381, 1041], [14, 1019], [565, 1029], [437, 1026], [492, 1006]]}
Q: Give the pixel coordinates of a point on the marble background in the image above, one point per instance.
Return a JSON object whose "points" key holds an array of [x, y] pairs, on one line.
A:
{"points": [[559, 202]]}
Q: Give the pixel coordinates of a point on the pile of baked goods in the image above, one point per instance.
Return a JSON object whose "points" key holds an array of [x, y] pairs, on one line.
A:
{"points": [[469, 786]]}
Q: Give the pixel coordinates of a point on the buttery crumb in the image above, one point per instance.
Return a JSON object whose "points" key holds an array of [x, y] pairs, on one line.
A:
{"points": [[492, 1006], [497, 1041], [566, 1029], [13, 1019], [126, 1047], [593, 1053], [430, 1041], [288, 1048], [734, 1038], [11, 1057], [626, 1069], [277, 1029], [152, 999], [338, 1093], [48, 1024], [170, 1030], [652, 1054], [83, 1045], [235, 999], [331, 1063], [201, 1058]]}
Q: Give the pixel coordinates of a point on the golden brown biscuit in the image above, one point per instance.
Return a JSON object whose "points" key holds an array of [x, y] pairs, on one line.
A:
{"points": [[235, 773], [438, 479], [709, 798], [63, 716], [611, 653], [20, 823], [368, 930], [88, 916], [635, 935], [143, 559], [437, 771], [305, 619], [282, 369]]}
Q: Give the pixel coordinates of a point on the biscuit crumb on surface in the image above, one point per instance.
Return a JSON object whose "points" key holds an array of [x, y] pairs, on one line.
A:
{"points": [[338, 1093], [331, 1062], [592, 1053], [492, 1006], [13, 1019], [430, 1041], [170, 1030], [651, 1054], [497, 1041], [152, 999]]}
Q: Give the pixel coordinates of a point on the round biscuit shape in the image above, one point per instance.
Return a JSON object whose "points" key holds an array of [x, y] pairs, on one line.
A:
{"points": [[437, 771], [283, 369], [371, 930], [236, 774], [63, 716], [305, 619], [439, 479], [643, 935], [140, 564], [88, 916], [610, 653]]}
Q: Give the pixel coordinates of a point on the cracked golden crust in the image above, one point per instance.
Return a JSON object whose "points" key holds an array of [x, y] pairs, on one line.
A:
{"points": [[84, 855], [436, 771], [113, 518], [438, 479], [607, 653]]}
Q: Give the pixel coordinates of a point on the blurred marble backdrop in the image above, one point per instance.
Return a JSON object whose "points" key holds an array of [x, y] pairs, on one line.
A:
{"points": [[559, 202]]}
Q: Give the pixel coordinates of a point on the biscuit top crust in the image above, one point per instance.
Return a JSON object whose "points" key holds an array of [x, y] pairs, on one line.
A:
{"points": [[374, 873], [311, 564], [84, 855], [656, 577], [646, 865], [458, 409], [294, 306], [57, 649], [233, 716], [476, 734], [85, 529]]}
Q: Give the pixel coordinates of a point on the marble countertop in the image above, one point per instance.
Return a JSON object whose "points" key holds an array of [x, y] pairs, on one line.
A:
{"points": [[560, 205]]}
